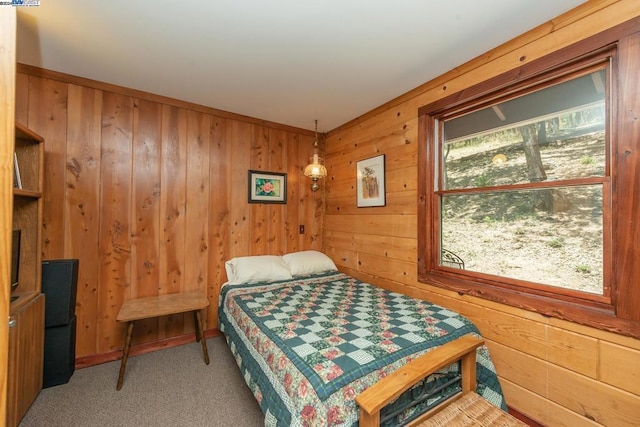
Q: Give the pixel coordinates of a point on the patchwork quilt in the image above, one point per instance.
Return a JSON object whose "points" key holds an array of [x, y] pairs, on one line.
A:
{"points": [[307, 347]]}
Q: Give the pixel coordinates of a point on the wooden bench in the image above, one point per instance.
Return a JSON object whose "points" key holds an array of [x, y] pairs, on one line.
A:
{"points": [[465, 409], [156, 306]]}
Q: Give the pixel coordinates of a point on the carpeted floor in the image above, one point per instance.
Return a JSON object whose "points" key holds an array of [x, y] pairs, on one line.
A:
{"points": [[171, 387]]}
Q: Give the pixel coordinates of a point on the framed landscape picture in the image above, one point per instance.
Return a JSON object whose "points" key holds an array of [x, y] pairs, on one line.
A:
{"points": [[267, 187], [371, 182]]}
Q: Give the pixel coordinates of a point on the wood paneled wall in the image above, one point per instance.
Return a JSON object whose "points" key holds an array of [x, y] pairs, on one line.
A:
{"points": [[555, 372], [150, 194]]}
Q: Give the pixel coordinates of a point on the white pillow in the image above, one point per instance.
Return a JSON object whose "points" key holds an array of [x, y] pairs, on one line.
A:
{"points": [[308, 262], [254, 269]]}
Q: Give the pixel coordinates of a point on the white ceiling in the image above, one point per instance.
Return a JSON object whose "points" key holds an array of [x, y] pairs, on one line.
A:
{"points": [[286, 61]]}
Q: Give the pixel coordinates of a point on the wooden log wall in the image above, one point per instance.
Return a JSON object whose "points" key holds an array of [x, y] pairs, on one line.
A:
{"points": [[150, 194], [555, 372]]}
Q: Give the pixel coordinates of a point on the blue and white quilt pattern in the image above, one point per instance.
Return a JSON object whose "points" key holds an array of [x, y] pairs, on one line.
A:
{"points": [[308, 346]]}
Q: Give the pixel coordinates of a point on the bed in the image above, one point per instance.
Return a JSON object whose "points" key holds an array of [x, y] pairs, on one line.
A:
{"points": [[308, 339]]}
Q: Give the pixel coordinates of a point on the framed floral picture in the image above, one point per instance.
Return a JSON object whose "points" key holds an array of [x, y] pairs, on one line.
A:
{"points": [[267, 187], [371, 182]]}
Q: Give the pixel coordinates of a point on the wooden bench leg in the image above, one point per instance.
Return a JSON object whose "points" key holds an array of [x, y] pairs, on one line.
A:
{"points": [[200, 335], [125, 354], [196, 324]]}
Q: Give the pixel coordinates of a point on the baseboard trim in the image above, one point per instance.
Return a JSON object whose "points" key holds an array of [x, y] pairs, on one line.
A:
{"points": [[522, 417], [97, 359]]}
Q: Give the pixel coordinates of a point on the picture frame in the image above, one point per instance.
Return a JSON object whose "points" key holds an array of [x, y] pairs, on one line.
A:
{"points": [[17, 181], [267, 187], [370, 182]]}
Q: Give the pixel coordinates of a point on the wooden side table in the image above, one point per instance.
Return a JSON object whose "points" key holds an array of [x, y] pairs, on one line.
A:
{"points": [[156, 306]]}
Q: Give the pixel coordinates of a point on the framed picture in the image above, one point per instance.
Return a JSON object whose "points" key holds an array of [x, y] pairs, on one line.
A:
{"points": [[267, 187], [17, 182], [370, 182]]}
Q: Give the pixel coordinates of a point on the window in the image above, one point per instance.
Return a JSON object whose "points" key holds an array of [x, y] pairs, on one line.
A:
{"points": [[520, 185], [521, 188]]}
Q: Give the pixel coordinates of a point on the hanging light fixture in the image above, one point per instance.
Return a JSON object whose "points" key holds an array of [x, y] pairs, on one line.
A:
{"points": [[315, 169]]}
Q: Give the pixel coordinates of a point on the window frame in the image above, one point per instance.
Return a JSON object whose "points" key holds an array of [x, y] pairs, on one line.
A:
{"points": [[614, 311], [601, 60]]}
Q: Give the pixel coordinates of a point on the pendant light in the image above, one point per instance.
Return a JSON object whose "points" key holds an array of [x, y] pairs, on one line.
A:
{"points": [[315, 169]]}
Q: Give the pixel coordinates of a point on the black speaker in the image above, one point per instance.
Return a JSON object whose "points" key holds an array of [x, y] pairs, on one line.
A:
{"points": [[59, 354], [59, 284]]}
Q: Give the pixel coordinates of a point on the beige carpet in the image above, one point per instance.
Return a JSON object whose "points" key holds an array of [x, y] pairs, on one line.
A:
{"points": [[171, 387]]}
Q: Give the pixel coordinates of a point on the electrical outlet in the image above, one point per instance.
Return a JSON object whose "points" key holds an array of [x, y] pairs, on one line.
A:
{"points": [[301, 229]]}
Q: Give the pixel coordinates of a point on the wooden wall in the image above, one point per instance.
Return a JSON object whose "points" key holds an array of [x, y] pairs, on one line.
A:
{"points": [[555, 372], [150, 194]]}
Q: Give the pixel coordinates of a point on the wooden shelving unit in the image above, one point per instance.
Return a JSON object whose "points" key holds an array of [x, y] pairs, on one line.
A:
{"points": [[26, 320]]}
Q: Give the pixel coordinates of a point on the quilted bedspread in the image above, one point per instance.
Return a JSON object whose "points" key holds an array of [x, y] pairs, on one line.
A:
{"points": [[307, 347]]}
